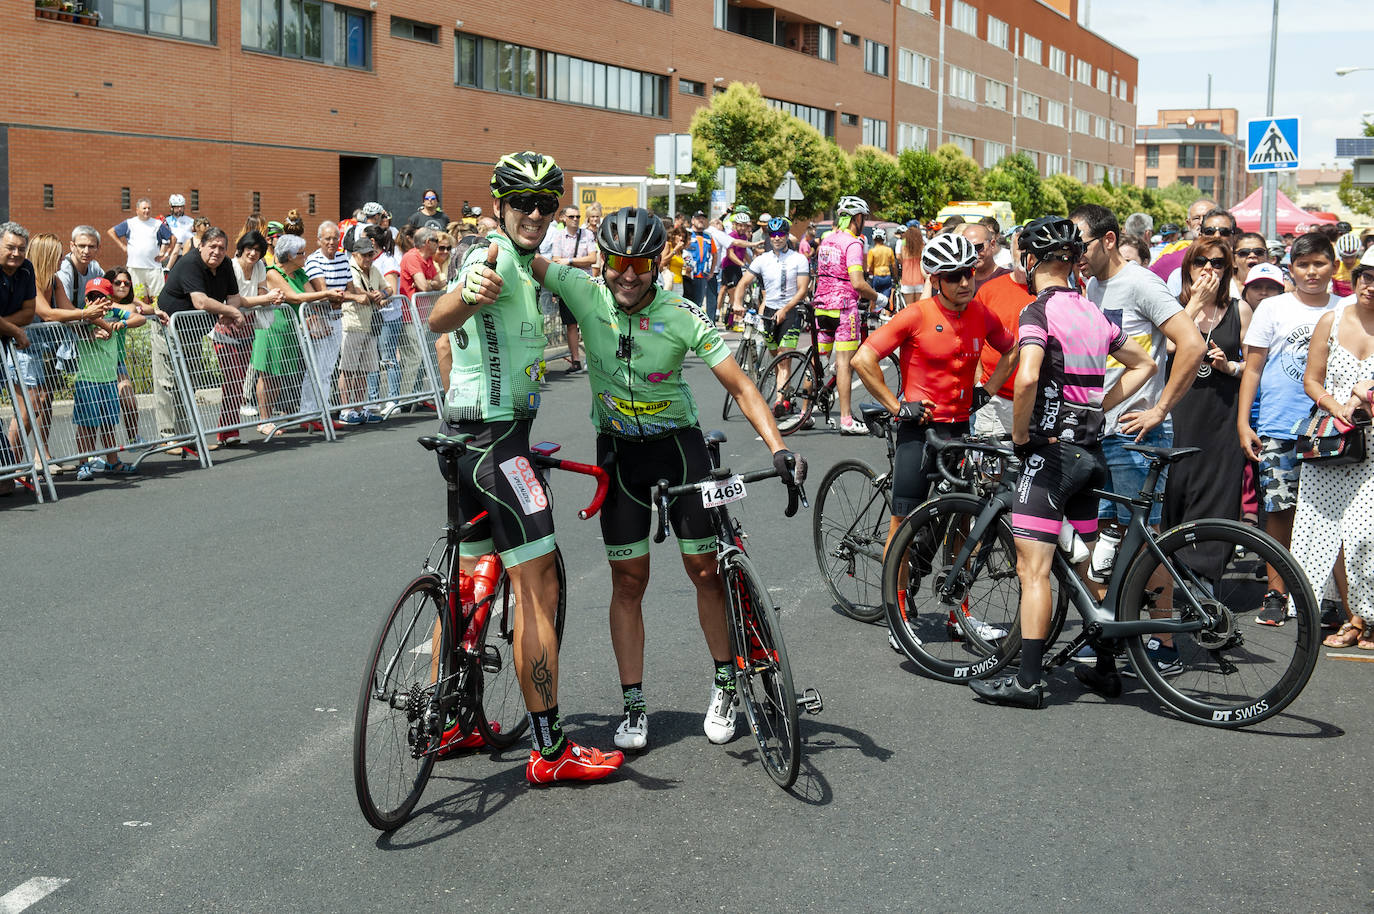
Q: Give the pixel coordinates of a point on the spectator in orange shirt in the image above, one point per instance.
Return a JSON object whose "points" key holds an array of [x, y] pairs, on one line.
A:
{"points": [[1006, 297]]}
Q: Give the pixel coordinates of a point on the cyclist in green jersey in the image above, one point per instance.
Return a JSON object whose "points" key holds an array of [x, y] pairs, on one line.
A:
{"points": [[493, 395], [637, 336]]}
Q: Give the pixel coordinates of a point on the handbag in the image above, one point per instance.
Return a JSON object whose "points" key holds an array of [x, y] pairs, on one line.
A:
{"points": [[1321, 441]]}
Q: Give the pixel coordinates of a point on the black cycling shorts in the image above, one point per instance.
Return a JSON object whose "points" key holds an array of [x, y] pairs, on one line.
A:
{"points": [[569, 319], [1056, 484], [626, 515], [786, 333], [912, 466], [731, 273], [496, 475]]}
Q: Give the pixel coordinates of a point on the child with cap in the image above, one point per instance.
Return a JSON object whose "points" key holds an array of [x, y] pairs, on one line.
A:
{"points": [[95, 391]]}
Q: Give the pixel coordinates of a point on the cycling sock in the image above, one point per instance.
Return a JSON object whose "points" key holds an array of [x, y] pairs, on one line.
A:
{"points": [[1032, 654], [723, 678], [634, 696], [547, 730]]}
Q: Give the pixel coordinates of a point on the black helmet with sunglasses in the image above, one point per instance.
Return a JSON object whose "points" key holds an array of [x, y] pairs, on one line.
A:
{"points": [[632, 232]]}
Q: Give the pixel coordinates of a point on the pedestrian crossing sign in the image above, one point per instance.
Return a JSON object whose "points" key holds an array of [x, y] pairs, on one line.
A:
{"points": [[1272, 144]]}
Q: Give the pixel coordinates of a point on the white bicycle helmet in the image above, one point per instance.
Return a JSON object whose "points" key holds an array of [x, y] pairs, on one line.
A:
{"points": [[850, 206], [741, 219], [1348, 245], [948, 253], [176, 200]]}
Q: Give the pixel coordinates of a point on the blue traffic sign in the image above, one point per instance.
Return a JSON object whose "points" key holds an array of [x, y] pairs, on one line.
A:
{"points": [[1272, 144]]}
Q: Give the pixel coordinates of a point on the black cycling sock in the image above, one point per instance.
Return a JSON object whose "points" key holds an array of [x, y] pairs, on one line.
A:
{"points": [[1032, 655], [724, 680], [634, 696], [1106, 656], [547, 729]]}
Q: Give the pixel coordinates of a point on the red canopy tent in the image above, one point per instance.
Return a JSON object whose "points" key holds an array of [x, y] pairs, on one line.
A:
{"points": [[1290, 218]]}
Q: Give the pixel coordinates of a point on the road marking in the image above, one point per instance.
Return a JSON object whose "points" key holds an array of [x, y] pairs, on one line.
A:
{"points": [[36, 889], [1359, 658]]}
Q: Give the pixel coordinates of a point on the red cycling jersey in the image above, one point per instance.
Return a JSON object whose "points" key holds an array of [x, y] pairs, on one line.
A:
{"points": [[939, 352]]}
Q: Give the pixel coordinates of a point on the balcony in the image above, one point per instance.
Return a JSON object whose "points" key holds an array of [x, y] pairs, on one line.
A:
{"points": [[756, 19], [66, 11]]}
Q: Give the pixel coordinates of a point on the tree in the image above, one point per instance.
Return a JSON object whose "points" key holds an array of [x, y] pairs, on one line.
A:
{"points": [[876, 179], [963, 179], [1016, 180], [1076, 193], [820, 166], [921, 188], [739, 128], [1182, 194]]}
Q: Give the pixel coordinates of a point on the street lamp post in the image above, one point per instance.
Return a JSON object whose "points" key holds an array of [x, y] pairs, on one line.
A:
{"points": [[1269, 205], [1345, 71]]}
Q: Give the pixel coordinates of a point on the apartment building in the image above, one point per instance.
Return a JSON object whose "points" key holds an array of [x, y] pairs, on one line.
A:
{"points": [[270, 105], [1199, 147]]}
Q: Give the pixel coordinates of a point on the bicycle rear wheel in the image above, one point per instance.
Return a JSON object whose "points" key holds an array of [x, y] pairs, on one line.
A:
{"points": [[748, 357], [763, 677], [503, 718], [399, 722], [960, 637], [794, 398], [1236, 673], [849, 527]]}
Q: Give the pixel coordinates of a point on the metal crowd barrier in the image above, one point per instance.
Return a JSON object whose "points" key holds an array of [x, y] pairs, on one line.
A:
{"points": [[21, 460], [214, 357], [422, 304]]}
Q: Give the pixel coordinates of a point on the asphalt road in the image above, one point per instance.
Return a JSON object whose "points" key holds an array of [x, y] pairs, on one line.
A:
{"points": [[181, 653]]}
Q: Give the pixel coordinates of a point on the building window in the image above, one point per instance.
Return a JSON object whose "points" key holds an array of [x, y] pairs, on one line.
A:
{"points": [[415, 31], [849, 120], [920, 6], [998, 32], [1084, 72], [1100, 127], [584, 82], [195, 200], [1081, 122], [498, 66], [1185, 179], [874, 132], [913, 68], [963, 84], [1152, 182], [912, 136], [1151, 156], [1059, 61], [691, 87], [47, 196], [875, 57], [963, 17], [965, 143], [1054, 113], [1206, 157], [1207, 184], [995, 95], [309, 30], [310, 208], [1080, 170], [1030, 105], [1187, 156], [124, 198], [993, 153], [820, 118], [257, 201], [1054, 164], [850, 38], [189, 19], [1102, 80], [660, 5], [1031, 48]]}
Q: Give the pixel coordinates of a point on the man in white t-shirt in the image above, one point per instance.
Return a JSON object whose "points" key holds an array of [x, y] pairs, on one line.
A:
{"points": [[1139, 303], [328, 268], [1275, 359], [146, 242]]}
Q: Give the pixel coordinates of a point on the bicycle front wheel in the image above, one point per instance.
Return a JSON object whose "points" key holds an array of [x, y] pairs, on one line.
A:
{"points": [[503, 718], [763, 677], [1234, 672], [789, 385], [398, 721], [952, 619], [849, 526]]}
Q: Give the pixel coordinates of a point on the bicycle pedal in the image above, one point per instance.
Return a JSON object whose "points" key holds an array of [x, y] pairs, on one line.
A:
{"points": [[491, 659], [810, 701]]}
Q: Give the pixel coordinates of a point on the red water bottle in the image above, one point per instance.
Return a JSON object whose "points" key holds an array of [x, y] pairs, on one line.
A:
{"points": [[485, 576]]}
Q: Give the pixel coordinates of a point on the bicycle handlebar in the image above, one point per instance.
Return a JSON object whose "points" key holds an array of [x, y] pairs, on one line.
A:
{"points": [[661, 492], [603, 480], [968, 443]]}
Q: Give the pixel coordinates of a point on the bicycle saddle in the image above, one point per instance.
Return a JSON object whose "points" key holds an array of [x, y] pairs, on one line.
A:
{"points": [[872, 412], [445, 445], [715, 436], [1163, 454]]}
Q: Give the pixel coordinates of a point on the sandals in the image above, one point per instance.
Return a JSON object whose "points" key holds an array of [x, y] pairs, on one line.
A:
{"points": [[1348, 635], [270, 430], [1366, 642]]}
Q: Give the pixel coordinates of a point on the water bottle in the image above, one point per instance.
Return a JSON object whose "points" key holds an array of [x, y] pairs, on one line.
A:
{"points": [[1072, 543], [483, 578]]}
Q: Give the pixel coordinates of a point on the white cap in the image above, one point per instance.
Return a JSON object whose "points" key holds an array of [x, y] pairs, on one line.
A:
{"points": [[176, 200], [1368, 259], [1264, 271]]}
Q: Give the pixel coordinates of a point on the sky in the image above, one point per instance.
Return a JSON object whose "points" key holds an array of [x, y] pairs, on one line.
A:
{"points": [[1178, 42]]}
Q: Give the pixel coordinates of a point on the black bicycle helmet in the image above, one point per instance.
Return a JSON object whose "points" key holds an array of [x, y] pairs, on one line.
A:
{"points": [[632, 232], [1050, 235], [526, 172], [778, 224]]}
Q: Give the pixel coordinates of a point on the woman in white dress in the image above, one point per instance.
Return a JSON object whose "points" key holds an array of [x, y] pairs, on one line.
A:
{"points": [[1335, 516]]}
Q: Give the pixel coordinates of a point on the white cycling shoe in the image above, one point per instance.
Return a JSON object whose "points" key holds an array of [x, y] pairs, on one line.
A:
{"points": [[633, 732], [720, 716]]}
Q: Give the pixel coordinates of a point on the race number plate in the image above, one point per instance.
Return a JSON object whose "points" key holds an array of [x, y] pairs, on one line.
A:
{"points": [[722, 492]]}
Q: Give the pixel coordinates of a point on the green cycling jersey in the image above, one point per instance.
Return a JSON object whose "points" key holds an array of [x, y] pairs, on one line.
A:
{"points": [[634, 361], [498, 355]]}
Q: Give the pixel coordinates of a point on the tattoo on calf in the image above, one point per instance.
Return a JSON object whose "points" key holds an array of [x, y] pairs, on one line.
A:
{"points": [[542, 679]]}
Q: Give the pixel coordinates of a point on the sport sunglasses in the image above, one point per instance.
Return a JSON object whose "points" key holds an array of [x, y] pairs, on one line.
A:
{"points": [[546, 204], [620, 263], [957, 275], [1223, 231]]}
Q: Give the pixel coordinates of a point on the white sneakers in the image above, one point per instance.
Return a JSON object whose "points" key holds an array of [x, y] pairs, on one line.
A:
{"points": [[720, 716], [633, 732]]}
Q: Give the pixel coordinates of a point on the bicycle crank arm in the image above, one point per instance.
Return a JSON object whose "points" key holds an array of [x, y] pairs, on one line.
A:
{"points": [[1115, 629], [810, 701]]}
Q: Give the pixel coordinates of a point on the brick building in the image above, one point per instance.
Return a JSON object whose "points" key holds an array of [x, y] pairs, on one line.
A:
{"points": [[270, 105], [1201, 147]]}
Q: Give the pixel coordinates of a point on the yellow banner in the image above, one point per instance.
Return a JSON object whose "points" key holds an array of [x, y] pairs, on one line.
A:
{"points": [[610, 197]]}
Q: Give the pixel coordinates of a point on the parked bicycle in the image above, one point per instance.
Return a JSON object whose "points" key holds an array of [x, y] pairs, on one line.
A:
{"points": [[442, 667], [1195, 583], [751, 353], [763, 675]]}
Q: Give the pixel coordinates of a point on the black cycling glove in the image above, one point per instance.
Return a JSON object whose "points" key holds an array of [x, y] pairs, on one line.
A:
{"points": [[913, 412], [791, 467], [980, 398]]}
